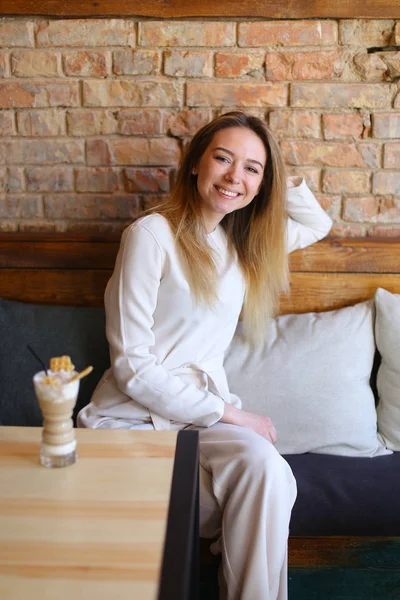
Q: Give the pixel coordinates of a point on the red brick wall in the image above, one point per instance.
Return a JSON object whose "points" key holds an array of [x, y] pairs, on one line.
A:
{"points": [[95, 113]]}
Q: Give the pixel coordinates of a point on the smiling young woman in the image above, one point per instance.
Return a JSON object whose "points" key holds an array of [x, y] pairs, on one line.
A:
{"points": [[242, 147], [183, 275]]}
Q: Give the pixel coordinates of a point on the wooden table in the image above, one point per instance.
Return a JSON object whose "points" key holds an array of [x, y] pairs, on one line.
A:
{"points": [[101, 528]]}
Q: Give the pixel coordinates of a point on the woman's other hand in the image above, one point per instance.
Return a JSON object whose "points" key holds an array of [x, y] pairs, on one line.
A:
{"points": [[261, 425]]}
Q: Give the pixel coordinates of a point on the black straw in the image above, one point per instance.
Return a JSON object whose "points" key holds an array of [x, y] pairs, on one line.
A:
{"points": [[37, 358]]}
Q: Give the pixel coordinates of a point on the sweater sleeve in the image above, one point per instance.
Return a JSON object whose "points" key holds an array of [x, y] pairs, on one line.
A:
{"points": [[130, 302], [307, 221]]}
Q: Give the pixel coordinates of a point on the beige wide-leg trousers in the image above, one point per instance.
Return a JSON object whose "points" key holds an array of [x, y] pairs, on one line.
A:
{"points": [[247, 491]]}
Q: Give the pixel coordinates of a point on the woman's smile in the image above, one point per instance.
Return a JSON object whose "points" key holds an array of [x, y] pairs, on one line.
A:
{"points": [[226, 193]]}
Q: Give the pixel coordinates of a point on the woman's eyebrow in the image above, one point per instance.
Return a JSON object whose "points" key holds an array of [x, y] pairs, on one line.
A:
{"points": [[251, 160]]}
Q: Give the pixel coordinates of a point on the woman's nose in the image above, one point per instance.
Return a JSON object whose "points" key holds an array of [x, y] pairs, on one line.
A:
{"points": [[232, 174]]}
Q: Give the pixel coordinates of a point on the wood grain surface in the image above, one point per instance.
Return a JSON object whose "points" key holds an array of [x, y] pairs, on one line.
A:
{"points": [[66, 251], [74, 270], [311, 292], [272, 9], [94, 529]]}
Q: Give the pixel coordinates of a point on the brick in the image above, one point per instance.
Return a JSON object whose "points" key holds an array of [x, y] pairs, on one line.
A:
{"points": [[386, 182], [15, 180], [103, 227], [8, 225], [391, 158], [346, 181], [187, 63], [49, 179], [330, 154], [187, 122], [45, 122], [389, 210], [361, 209], [98, 180], [135, 62], [98, 152], [186, 33], [286, 123], [331, 205], [384, 231], [237, 94], [386, 125], [33, 63], [134, 151], [40, 225], [86, 32], [147, 180], [151, 200], [340, 126], [287, 33], [370, 67], [21, 151], [239, 64], [85, 63], [3, 179], [25, 207], [373, 209], [371, 154], [89, 206], [140, 122], [341, 95], [14, 33], [312, 175], [392, 62], [304, 65], [9, 206], [31, 207], [38, 95], [85, 122], [4, 65], [348, 230], [126, 92], [7, 126], [366, 32]]}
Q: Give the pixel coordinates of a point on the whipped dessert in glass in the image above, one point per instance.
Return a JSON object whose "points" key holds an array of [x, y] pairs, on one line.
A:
{"points": [[57, 393]]}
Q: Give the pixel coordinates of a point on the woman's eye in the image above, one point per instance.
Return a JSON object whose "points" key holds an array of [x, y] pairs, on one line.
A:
{"points": [[253, 170], [222, 158]]}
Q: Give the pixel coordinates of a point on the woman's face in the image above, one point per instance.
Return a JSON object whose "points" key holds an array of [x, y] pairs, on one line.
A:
{"points": [[230, 173]]}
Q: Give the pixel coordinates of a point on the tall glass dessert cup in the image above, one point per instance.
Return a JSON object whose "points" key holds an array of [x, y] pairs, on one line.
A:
{"points": [[57, 396]]}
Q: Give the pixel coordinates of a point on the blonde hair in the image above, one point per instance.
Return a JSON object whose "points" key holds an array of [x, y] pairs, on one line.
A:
{"points": [[256, 232]]}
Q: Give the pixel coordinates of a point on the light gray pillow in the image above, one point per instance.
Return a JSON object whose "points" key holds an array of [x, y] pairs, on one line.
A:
{"points": [[387, 330], [312, 378]]}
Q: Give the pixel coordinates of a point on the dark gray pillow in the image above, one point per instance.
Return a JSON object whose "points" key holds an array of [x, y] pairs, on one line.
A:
{"points": [[51, 331]]}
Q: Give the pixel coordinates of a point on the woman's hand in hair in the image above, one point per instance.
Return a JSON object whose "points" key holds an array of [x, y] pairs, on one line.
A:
{"points": [[261, 425]]}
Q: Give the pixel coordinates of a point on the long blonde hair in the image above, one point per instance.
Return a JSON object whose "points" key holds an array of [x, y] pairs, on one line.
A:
{"points": [[256, 232]]}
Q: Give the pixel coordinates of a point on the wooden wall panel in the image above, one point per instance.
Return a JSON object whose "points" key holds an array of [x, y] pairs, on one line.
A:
{"points": [[69, 287], [169, 9], [328, 291], [69, 270]]}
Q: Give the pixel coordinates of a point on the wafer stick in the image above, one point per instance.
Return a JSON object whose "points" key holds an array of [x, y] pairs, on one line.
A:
{"points": [[81, 374]]}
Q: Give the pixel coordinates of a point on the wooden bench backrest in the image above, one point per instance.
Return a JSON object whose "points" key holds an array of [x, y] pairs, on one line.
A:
{"points": [[74, 270]]}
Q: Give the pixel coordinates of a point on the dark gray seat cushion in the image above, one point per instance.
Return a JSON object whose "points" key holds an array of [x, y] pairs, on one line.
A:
{"points": [[340, 495], [51, 331]]}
